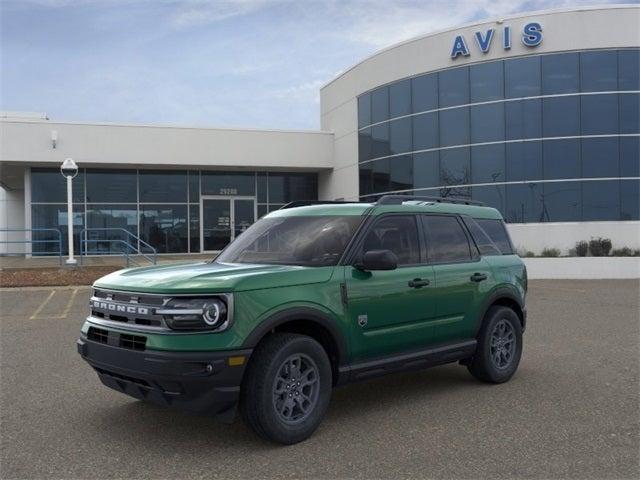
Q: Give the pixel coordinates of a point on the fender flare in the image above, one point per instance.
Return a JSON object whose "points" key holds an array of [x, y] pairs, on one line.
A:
{"points": [[300, 313], [498, 294]]}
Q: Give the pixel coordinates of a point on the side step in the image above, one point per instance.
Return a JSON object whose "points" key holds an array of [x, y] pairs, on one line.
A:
{"points": [[417, 360]]}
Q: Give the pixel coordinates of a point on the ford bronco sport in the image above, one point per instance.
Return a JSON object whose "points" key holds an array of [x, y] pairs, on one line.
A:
{"points": [[308, 298]]}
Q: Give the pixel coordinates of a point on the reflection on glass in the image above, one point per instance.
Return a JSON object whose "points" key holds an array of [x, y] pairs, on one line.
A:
{"points": [[49, 186], [228, 183], [522, 77], [487, 123], [243, 216], [453, 87], [561, 116], [454, 127], [523, 119], [380, 141], [629, 113], [364, 145], [601, 200], [524, 203], [380, 105], [455, 168], [560, 73], [401, 175], [425, 131], [561, 159], [163, 186], [598, 71], [400, 98], [194, 227], [629, 199], [364, 110], [426, 169], [561, 202], [424, 92], [165, 227], [487, 81], [400, 135], [216, 224], [112, 186], [600, 157], [113, 221], [487, 164], [599, 114], [54, 216]]}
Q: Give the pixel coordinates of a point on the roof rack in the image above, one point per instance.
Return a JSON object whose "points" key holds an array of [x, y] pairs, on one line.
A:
{"points": [[399, 199], [304, 203]]}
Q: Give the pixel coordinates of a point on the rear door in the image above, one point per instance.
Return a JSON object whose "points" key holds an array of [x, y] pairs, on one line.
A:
{"points": [[461, 276], [390, 311]]}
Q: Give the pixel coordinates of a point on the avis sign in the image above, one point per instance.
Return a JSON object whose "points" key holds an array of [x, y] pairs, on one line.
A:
{"points": [[531, 37]]}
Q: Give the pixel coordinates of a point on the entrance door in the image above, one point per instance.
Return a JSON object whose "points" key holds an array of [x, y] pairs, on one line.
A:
{"points": [[222, 219]]}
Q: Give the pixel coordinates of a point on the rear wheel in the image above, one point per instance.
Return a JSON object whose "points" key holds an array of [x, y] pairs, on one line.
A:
{"points": [[287, 387], [499, 346]]}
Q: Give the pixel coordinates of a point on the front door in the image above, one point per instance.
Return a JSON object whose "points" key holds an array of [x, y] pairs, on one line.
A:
{"points": [[391, 311], [222, 219]]}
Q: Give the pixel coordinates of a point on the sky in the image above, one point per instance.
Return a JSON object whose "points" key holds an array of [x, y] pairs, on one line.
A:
{"points": [[224, 63]]}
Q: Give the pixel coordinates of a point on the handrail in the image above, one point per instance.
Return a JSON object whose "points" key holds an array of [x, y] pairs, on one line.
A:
{"points": [[130, 236], [32, 241]]}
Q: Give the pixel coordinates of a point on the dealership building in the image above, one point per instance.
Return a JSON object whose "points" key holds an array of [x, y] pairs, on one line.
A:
{"points": [[536, 115]]}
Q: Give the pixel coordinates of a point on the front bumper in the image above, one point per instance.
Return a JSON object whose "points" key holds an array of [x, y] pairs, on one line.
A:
{"points": [[200, 382]]}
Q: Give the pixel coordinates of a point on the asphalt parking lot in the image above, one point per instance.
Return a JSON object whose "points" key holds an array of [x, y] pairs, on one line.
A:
{"points": [[571, 411]]}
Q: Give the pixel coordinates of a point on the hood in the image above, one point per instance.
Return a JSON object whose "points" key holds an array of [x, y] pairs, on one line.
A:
{"points": [[211, 277]]}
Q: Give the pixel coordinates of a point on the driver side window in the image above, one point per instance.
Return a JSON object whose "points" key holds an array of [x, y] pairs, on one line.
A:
{"points": [[398, 234]]}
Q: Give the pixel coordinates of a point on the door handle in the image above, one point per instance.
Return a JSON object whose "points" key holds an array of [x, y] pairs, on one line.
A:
{"points": [[418, 283], [478, 277]]}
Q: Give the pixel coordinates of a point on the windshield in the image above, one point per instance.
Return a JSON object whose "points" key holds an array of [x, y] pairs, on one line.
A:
{"points": [[314, 241]]}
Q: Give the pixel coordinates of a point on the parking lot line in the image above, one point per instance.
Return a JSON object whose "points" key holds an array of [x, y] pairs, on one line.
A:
{"points": [[65, 312], [42, 305]]}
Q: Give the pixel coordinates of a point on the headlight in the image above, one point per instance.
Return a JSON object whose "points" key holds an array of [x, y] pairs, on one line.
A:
{"points": [[195, 314]]}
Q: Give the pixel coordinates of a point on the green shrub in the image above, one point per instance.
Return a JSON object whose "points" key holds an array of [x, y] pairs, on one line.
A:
{"points": [[526, 253], [625, 252], [582, 248], [550, 252], [600, 247]]}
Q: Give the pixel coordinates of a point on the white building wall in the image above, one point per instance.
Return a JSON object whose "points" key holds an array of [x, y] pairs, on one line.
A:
{"points": [[11, 217]]}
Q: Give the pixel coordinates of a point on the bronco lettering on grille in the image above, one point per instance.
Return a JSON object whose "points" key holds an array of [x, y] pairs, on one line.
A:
{"points": [[115, 307]]}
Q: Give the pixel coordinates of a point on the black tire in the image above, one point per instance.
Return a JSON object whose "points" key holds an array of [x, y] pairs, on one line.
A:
{"points": [[262, 406], [496, 361]]}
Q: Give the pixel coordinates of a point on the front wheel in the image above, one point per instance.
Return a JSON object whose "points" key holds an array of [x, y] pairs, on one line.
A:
{"points": [[287, 387], [499, 346]]}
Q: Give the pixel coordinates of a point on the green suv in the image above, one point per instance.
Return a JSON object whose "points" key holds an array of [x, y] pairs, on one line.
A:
{"points": [[308, 298]]}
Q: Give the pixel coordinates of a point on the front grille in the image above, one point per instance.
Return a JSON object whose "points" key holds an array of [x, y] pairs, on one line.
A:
{"points": [[98, 335], [128, 308], [118, 376], [133, 342]]}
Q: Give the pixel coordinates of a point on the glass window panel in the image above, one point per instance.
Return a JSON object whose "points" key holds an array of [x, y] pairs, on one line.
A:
{"points": [[600, 157], [487, 81], [49, 186], [446, 240], [483, 242], [400, 98], [380, 105], [562, 202], [289, 187], [454, 127], [523, 161], [424, 92], [599, 71], [560, 73], [490, 195], [261, 185], [524, 203], [163, 186], [380, 172], [630, 156], [366, 179], [487, 164], [487, 123], [400, 135], [630, 199], [497, 232], [274, 207], [401, 173], [365, 144], [113, 219], [425, 131], [522, 77], [599, 114], [561, 159], [194, 228], [398, 234], [364, 110], [228, 183], [561, 116], [426, 169], [53, 216], [453, 87], [165, 227], [112, 186], [523, 119], [601, 200], [629, 113], [380, 141], [262, 210], [629, 70], [455, 167], [456, 192], [194, 186]]}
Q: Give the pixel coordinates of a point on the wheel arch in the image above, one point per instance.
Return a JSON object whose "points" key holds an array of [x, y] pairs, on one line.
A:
{"points": [[504, 297], [307, 321]]}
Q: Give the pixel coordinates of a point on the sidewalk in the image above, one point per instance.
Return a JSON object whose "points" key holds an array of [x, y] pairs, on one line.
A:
{"points": [[20, 262]]}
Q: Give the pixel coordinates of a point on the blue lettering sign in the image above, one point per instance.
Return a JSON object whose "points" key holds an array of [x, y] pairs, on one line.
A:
{"points": [[484, 42], [532, 34], [459, 47], [506, 38]]}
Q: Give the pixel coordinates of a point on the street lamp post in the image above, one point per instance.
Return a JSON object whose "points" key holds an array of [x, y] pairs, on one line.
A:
{"points": [[69, 169]]}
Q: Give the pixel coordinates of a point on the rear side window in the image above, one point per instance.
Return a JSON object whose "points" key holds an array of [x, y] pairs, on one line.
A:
{"points": [[398, 234], [498, 233], [484, 243], [446, 240]]}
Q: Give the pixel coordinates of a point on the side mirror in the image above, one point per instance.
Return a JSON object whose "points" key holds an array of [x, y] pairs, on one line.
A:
{"points": [[378, 260]]}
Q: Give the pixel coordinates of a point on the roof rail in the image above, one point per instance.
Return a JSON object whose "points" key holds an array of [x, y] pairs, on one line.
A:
{"points": [[399, 199], [304, 203]]}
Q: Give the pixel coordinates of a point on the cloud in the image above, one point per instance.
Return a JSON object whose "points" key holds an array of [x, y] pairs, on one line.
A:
{"points": [[191, 13]]}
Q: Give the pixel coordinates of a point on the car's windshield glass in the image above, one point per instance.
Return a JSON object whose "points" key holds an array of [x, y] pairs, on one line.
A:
{"points": [[298, 240]]}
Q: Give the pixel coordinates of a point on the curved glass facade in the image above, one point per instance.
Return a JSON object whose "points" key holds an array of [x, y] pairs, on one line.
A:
{"points": [[543, 138]]}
